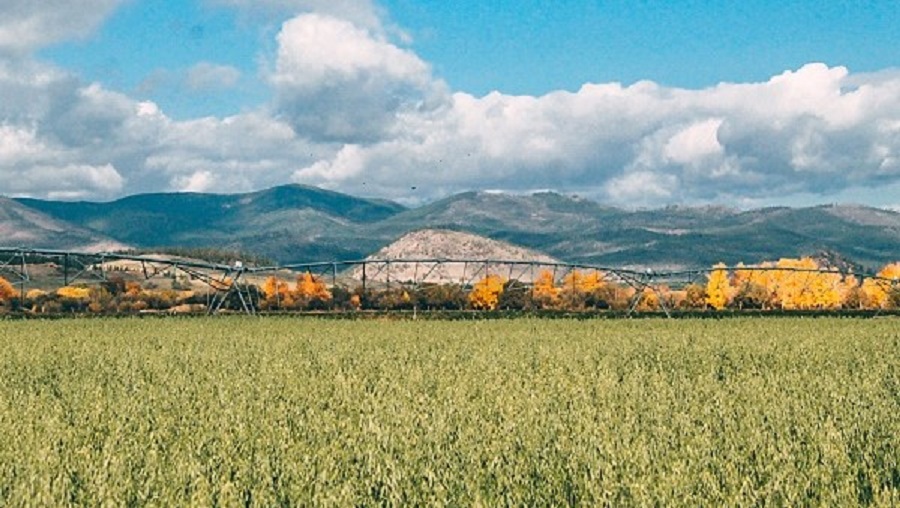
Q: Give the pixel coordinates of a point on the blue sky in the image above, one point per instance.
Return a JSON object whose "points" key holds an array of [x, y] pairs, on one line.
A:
{"points": [[144, 46], [534, 46], [632, 103], [517, 47]]}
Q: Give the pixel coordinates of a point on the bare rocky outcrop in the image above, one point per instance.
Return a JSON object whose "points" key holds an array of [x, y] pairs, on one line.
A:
{"points": [[442, 256]]}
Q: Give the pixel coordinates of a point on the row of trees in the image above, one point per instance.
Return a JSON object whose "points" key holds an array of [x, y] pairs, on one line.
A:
{"points": [[798, 284], [788, 284], [115, 296], [576, 291]]}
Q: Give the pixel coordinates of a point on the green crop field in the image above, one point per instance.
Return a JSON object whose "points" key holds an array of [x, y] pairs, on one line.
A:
{"points": [[288, 411]]}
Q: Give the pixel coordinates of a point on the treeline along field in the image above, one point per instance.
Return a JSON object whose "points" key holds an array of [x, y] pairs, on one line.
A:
{"points": [[242, 411], [788, 285]]}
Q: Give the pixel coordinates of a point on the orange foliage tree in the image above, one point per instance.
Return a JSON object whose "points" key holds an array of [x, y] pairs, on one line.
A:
{"points": [[649, 300], [891, 272], [583, 283], [694, 297], [576, 286], [544, 292], [74, 293], [310, 289], [277, 292], [35, 294], [486, 293], [7, 291], [877, 291]]}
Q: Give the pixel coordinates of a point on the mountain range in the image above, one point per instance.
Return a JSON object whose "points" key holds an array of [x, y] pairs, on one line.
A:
{"points": [[295, 223], [24, 226]]}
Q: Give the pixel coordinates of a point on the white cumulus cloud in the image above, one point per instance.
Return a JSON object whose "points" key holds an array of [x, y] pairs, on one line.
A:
{"points": [[818, 129], [26, 25], [338, 82], [29, 163]]}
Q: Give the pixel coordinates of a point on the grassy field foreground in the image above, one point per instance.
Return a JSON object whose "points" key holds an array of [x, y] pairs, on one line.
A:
{"points": [[281, 411]]}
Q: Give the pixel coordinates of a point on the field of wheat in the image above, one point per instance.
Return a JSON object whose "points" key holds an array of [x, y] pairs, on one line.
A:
{"points": [[286, 411]]}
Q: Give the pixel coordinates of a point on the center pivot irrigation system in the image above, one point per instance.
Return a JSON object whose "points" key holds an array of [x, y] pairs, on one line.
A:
{"points": [[233, 282]]}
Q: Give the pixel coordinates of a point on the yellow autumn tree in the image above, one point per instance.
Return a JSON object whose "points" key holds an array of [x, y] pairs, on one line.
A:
{"points": [[759, 285], [7, 291], [581, 282], [794, 283], [570, 292], [891, 272], [572, 282], [827, 290], [877, 291], [579, 288], [848, 291], [649, 300], [750, 287], [743, 276], [764, 277], [277, 292], [718, 288], [74, 293], [803, 284], [874, 295], [35, 294], [311, 288], [485, 295], [694, 297], [544, 292]]}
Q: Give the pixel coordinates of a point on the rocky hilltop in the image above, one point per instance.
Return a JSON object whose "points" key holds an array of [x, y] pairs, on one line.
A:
{"points": [[457, 249]]}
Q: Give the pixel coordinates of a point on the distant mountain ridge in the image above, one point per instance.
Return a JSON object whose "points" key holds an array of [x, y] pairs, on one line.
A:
{"points": [[296, 223], [284, 223], [21, 226]]}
